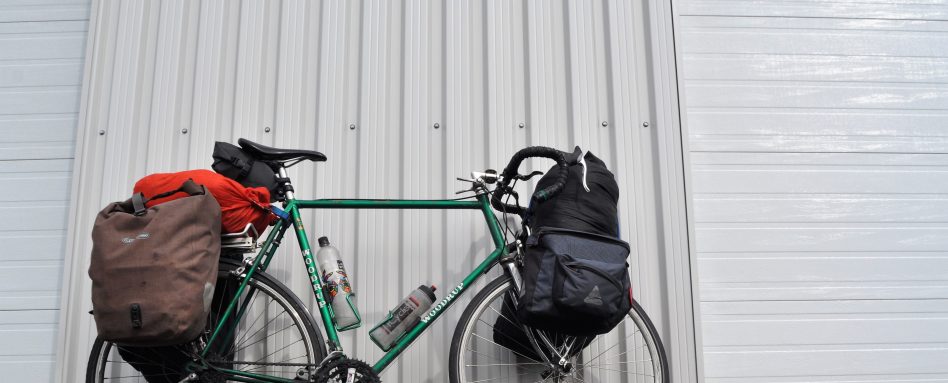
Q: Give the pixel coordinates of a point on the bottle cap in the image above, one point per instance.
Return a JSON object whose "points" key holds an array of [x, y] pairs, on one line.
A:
{"points": [[323, 241], [429, 291]]}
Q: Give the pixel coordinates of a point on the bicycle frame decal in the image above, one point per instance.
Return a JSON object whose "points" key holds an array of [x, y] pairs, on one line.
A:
{"points": [[292, 207], [443, 303], [325, 310]]}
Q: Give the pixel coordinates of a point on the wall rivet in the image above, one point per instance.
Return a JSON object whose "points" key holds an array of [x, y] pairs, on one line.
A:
{"points": [[437, 125], [102, 132], [184, 131], [645, 124], [522, 125], [352, 126], [266, 129], [605, 123]]}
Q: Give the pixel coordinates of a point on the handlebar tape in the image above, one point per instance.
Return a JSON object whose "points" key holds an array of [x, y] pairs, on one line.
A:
{"points": [[540, 195]]}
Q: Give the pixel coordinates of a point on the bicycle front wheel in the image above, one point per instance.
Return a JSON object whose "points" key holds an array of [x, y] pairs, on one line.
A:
{"points": [[275, 337], [484, 349]]}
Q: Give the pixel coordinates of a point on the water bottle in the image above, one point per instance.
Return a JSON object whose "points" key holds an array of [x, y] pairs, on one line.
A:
{"points": [[403, 317], [337, 286]]}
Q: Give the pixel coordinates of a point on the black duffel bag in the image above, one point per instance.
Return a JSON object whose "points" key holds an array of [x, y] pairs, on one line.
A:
{"points": [[588, 202], [232, 162], [575, 283]]}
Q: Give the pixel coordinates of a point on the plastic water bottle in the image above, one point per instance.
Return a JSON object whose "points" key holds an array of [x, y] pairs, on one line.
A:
{"points": [[338, 285], [403, 317]]}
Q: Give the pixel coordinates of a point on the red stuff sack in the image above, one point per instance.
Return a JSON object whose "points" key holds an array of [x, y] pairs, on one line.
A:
{"points": [[239, 205]]}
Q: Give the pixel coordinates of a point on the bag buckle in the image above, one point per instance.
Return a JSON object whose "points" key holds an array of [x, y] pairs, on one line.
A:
{"points": [[135, 311]]}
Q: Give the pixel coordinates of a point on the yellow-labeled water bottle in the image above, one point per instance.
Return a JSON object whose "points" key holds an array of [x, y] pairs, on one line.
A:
{"points": [[337, 285]]}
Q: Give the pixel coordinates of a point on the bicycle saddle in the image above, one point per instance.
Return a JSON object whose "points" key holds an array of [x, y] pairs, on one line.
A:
{"points": [[267, 153]]}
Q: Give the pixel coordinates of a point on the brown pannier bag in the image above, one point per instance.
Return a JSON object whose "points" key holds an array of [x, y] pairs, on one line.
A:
{"points": [[153, 269]]}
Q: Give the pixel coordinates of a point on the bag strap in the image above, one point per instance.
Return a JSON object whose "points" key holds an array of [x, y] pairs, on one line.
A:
{"points": [[138, 204], [244, 165]]}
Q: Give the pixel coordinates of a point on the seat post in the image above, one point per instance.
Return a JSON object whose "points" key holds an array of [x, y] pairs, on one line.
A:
{"points": [[287, 186]]}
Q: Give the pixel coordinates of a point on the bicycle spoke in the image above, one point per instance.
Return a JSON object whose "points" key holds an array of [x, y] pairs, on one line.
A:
{"points": [[264, 327], [626, 362], [257, 369], [131, 376], [252, 299], [611, 347], [626, 372], [506, 348], [517, 323], [505, 377], [259, 340], [623, 353], [271, 354], [495, 357], [506, 335]]}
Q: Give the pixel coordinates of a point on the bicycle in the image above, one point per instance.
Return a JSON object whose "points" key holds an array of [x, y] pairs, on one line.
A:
{"points": [[238, 344]]}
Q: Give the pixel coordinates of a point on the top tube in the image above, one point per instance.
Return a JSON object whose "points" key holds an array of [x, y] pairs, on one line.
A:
{"points": [[385, 204]]}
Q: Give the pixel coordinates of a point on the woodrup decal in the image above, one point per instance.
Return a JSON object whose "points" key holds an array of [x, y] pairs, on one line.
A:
{"points": [[443, 302]]}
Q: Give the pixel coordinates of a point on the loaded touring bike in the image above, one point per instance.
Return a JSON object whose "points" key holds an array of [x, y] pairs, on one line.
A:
{"points": [[259, 331]]}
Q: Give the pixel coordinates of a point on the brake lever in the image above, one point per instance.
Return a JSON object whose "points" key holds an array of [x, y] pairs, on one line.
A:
{"points": [[527, 177]]}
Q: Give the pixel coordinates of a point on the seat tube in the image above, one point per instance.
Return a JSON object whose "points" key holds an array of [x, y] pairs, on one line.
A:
{"points": [[286, 185], [325, 310]]}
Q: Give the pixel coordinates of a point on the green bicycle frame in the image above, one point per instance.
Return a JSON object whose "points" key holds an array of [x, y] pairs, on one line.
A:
{"points": [[293, 207]]}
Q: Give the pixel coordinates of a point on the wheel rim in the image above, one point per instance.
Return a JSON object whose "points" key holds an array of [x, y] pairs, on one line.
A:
{"points": [[626, 354], [270, 340]]}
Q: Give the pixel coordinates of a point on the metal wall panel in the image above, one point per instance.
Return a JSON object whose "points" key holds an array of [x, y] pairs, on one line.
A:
{"points": [[41, 56], [818, 155], [402, 97]]}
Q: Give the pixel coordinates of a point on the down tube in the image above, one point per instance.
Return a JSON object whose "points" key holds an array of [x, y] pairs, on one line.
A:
{"points": [[449, 299]]}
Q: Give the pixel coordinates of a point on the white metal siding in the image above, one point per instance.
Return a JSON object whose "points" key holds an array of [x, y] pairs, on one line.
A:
{"points": [[819, 151], [41, 56], [431, 90]]}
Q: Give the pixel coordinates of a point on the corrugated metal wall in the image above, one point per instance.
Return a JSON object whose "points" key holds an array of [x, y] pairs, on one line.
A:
{"points": [[41, 56], [402, 97], [819, 153]]}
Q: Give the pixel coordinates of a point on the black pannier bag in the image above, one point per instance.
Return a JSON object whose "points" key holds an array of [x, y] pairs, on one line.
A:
{"points": [[576, 279], [232, 162], [575, 283]]}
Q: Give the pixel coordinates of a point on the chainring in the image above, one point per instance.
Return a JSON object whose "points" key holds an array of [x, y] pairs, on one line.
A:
{"points": [[343, 370]]}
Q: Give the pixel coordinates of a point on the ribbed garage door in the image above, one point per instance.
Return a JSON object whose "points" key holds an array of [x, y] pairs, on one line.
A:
{"points": [[818, 136], [41, 55]]}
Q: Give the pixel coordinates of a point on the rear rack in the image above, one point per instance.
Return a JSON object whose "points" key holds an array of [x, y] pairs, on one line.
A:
{"points": [[242, 242]]}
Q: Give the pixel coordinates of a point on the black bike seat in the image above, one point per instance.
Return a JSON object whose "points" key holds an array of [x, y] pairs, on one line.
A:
{"points": [[267, 153]]}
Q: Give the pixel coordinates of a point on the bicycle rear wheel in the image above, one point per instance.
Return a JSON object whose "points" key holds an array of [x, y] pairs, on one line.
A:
{"points": [[632, 352], [275, 337]]}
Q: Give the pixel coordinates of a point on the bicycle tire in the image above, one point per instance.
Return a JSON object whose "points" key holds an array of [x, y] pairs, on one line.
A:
{"points": [[461, 353], [104, 358]]}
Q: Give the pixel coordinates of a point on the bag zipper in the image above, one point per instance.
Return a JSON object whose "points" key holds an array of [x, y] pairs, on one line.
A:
{"points": [[551, 230]]}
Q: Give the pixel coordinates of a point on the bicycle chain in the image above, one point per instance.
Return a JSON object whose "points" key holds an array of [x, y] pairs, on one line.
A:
{"points": [[323, 374], [262, 364]]}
